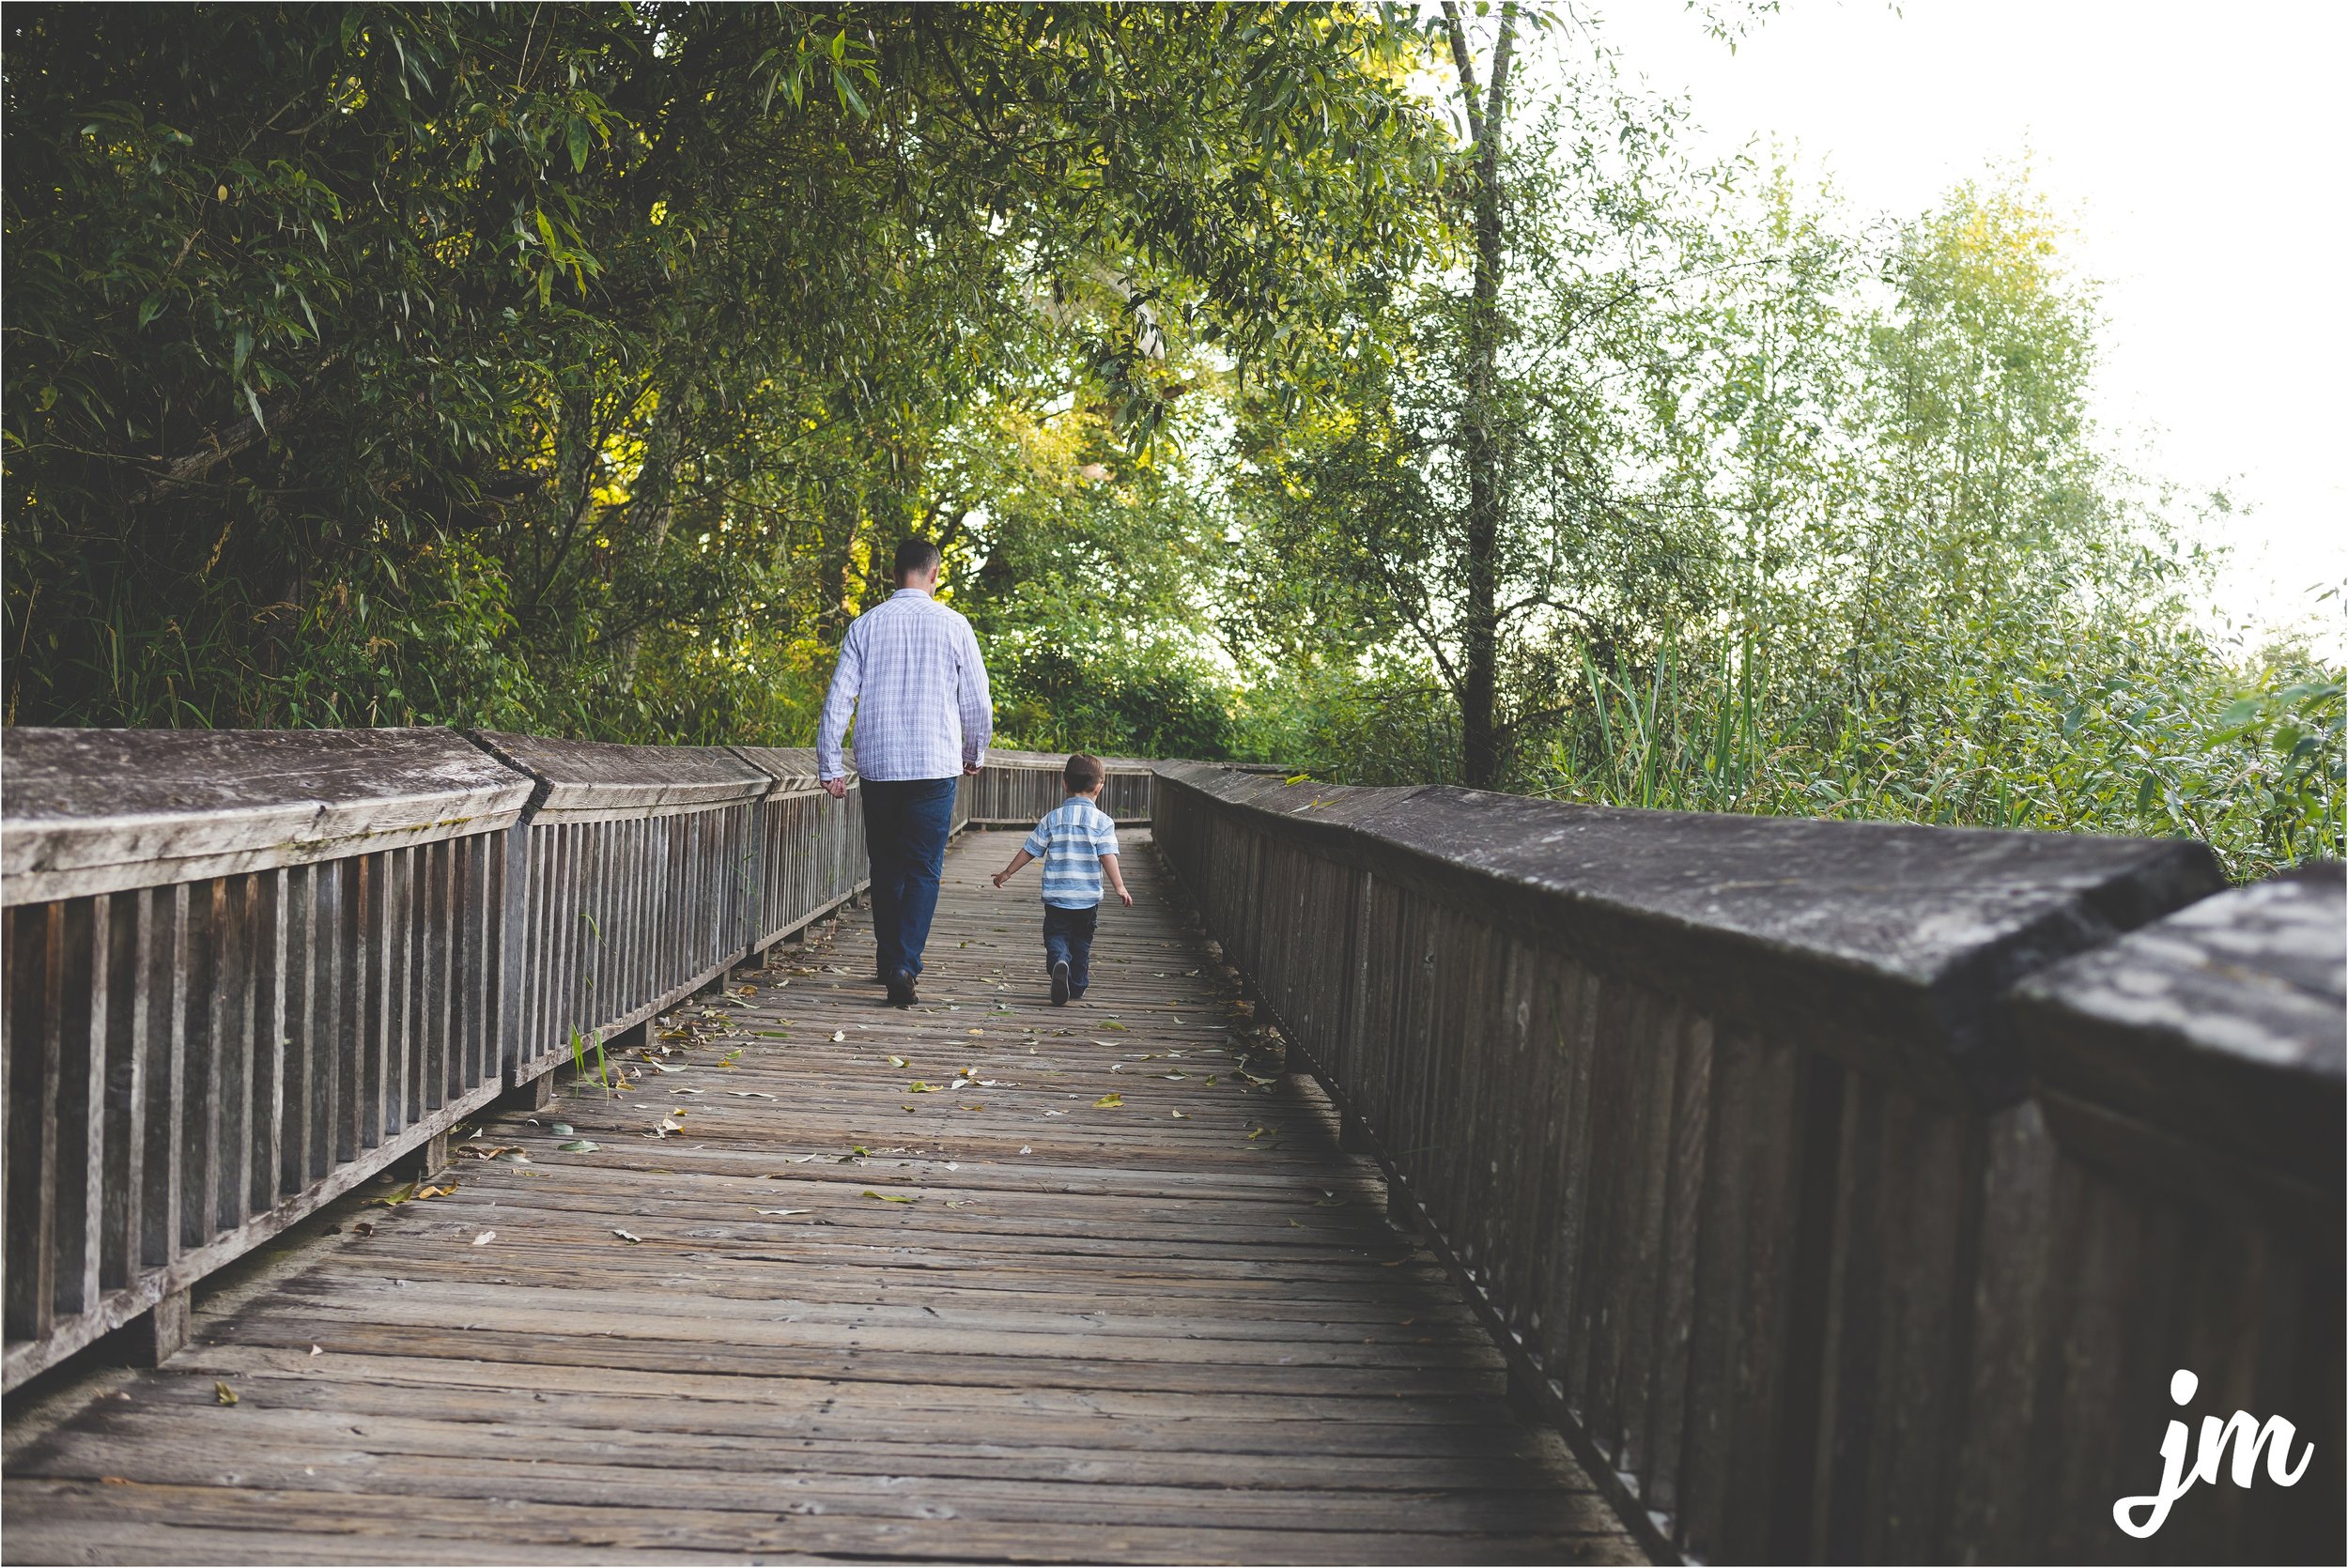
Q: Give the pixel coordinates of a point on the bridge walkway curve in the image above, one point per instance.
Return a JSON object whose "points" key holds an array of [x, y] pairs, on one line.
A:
{"points": [[987, 1279]]}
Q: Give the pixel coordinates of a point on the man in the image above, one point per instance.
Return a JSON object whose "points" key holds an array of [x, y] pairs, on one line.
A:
{"points": [[910, 671]]}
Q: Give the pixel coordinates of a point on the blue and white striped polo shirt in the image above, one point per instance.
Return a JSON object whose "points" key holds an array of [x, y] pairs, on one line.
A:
{"points": [[1070, 843]]}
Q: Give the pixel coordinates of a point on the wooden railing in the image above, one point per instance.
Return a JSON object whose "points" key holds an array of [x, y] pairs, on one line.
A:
{"points": [[1022, 786], [245, 971], [1845, 1191]]}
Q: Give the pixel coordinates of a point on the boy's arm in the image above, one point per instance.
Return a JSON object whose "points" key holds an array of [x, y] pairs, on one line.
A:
{"points": [[1117, 879], [1013, 869]]}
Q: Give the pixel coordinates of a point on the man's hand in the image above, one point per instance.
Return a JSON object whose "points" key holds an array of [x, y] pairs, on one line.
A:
{"points": [[836, 788], [1000, 877], [1127, 897], [970, 768]]}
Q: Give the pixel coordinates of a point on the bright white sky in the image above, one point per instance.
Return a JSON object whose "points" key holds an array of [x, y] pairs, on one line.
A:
{"points": [[2200, 148]]}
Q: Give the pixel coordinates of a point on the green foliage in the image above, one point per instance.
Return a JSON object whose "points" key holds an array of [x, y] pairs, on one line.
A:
{"points": [[576, 369], [591, 356]]}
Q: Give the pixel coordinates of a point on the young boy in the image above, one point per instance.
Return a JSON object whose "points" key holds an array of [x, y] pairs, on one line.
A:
{"points": [[1077, 842]]}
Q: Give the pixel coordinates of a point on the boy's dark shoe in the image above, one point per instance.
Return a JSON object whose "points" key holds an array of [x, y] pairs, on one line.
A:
{"points": [[901, 988], [1059, 985]]}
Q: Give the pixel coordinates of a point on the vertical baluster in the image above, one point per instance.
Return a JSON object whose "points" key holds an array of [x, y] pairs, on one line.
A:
{"points": [[303, 960], [436, 936], [537, 956], [400, 989], [337, 1039], [266, 1152], [166, 1079], [644, 983], [603, 993], [563, 926], [34, 1046], [372, 954], [475, 1003], [126, 1087], [207, 916], [233, 981], [83, 1116]]}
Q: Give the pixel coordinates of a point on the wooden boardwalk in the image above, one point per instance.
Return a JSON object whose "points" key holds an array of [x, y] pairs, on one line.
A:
{"points": [[986, 1280]]}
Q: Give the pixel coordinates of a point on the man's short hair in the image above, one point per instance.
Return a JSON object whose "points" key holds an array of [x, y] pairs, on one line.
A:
{"points": [[1083, 772], [915, 555]]}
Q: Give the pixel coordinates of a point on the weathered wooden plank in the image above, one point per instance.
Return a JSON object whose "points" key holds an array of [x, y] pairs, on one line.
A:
{"points": [[99, 810], [601, 781]]}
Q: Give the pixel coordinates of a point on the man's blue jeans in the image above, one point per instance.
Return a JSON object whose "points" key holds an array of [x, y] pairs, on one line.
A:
{"points": [[905, 826], [1068, 939]]}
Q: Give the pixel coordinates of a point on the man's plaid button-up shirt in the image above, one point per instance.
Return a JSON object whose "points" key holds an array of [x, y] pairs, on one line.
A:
{"points": [[911, 673]]}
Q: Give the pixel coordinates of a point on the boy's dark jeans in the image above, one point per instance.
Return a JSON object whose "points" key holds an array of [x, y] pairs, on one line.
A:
{"points": [[1068, 939], [905, 826]]}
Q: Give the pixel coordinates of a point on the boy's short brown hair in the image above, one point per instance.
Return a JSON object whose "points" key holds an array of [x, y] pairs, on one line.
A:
{"points": [[1082, 773]]}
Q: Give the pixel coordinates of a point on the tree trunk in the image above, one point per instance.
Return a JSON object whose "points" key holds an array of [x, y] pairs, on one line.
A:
{"points": [[1479, 693]]}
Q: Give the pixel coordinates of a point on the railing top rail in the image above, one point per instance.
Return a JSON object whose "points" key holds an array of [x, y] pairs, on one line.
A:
{"points": [[1057, 760], [2219, 1025], [593, 780], [1887, 944], [792, 767], [90, 811]]}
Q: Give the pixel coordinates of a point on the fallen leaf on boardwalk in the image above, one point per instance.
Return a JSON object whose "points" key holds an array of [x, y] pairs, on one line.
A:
{"points": [[962, 1202], [223, 1394], [1179, 1116], [364, 1227], [487, 1151], [1175, 1077], [859, 1148], [561, 1129], [1394, 1262], [899, 1062], [579, 1145], [316, 1350], [1212, 1078], [688, 1091], [919, 1087], [1112, 1023], [1056, 1112], [1298, 1224], [116, 1481], [752, 1094], [1108, 1102], [774, 1035], [839, 1034], [893, 1197], [1332, 1201], [786, 1213], [979, 1107], [626, 1235], [1025, 1148], [1258, 1133], [662, 1067], [485, 1238]]}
